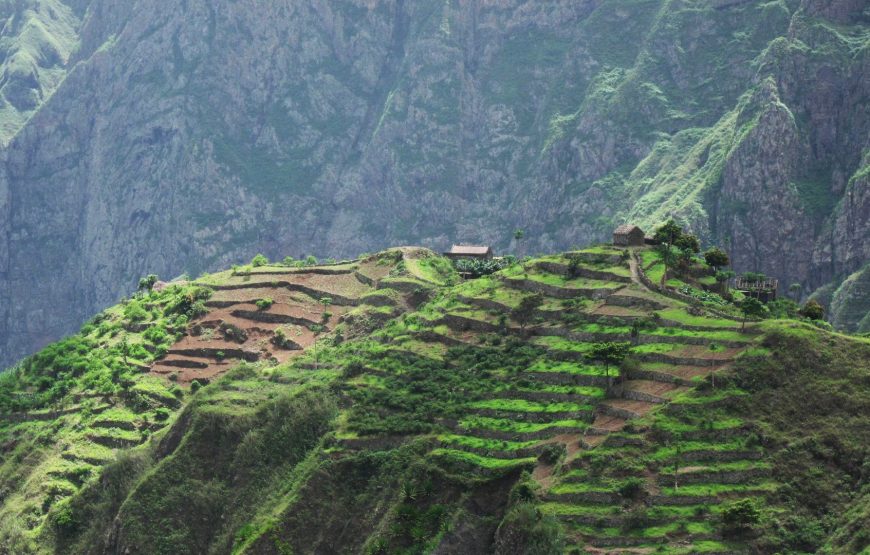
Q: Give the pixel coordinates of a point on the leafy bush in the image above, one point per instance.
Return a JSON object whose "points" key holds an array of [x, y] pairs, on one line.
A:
{"points": [[479, 267], [740, 516], [552, 453], [264, 304], [525, 529], [135, 312], [813, 310], [259, 261], [633, 488]]}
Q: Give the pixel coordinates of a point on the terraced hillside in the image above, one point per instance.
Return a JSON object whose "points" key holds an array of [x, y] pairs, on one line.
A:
{"points": [[383, 405]]}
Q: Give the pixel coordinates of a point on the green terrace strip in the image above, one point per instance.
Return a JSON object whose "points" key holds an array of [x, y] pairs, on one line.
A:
{"points": [[482, 461], [548, 366], [472, 423], [521, 405], [470, 441], [686, 447], [681, 316], [532, 387], [703, 490]]}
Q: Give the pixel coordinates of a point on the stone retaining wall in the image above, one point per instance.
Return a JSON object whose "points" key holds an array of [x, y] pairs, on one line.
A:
{"points": [[272, 318], [641, 396], [564, 378], [715, 477], [565, 270], [461, 323], [536, 417], [556, 291]]}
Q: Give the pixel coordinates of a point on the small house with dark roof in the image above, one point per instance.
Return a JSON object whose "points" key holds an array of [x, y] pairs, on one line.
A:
{"points": [[628, 235], [482, 252]]}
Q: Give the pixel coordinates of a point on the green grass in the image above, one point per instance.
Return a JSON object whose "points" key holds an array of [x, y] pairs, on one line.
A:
{"points": [[586, 391], [478, 460], [678, 427], [683, 317], [607, 486], [507, 425], [671, 452], [482, 443], [718, 489], [562, 344], [521, 405], [568, 367]]}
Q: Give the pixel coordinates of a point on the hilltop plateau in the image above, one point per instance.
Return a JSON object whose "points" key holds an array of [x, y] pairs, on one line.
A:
{"points": [[592, 401]]}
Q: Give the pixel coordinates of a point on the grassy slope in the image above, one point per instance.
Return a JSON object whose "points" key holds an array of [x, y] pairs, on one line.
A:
{"points": [[415, 433]]}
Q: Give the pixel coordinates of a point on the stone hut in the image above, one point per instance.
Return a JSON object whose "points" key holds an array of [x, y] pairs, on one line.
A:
{"points": [[628, 235], [482, 252]]}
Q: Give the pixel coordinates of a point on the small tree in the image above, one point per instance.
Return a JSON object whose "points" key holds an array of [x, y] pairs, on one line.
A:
{"points": [[740, 516], [716, 258], [147, 283], [259, 260], [751, 308], [311, 260], [813, 310], [524, 311], [325, 302], [609, 353], [689, 244], [670, 256], [519, 235], [316, 329], [669, 233], [125, 350]]}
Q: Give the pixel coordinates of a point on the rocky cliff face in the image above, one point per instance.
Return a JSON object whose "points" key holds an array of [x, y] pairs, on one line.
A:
{"points": [[163, 139]]}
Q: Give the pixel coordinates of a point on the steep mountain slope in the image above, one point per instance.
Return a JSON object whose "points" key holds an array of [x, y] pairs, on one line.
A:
{"points": [[382, 405], [342, 126]]}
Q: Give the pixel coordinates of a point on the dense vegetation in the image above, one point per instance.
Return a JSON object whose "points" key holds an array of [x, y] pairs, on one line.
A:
{"points": [[591, 401]]}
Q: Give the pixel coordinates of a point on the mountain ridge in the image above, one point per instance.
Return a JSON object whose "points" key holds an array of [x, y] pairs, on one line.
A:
{"points": [[368, 124]]}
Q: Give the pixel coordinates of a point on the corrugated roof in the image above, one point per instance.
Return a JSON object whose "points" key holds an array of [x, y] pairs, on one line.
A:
{"points": [[470, 249]]}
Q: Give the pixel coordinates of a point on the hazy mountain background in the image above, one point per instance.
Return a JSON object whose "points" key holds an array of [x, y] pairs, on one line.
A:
{"points": [[147, 136]]}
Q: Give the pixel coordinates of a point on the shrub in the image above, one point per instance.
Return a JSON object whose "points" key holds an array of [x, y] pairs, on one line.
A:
{"points": [[552, 453], [195, 386], [156, 335], [813, 310], [477, 268], [259, 260], [526, 530], [716, 257], [63, 519], [525, 490], [635, 519], [633, 488], [740, 516], [135, 312], [264, 304]]}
